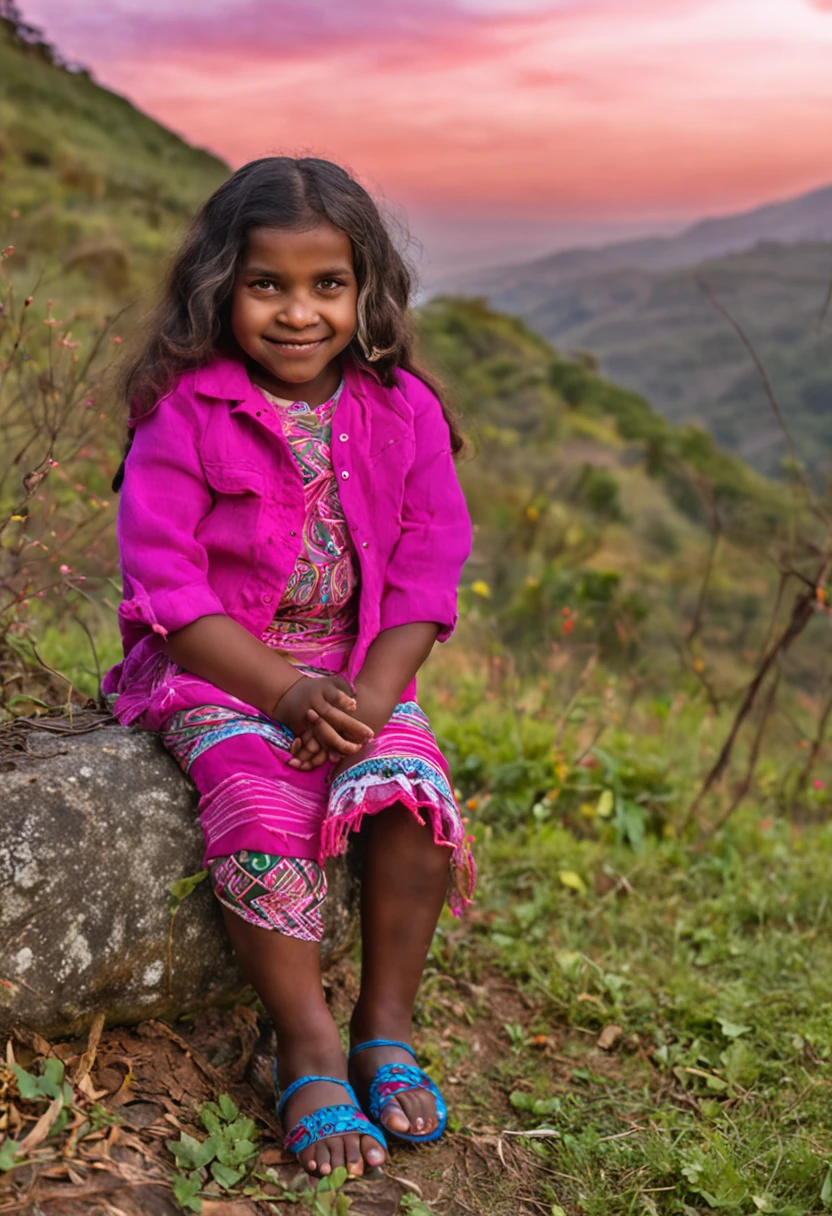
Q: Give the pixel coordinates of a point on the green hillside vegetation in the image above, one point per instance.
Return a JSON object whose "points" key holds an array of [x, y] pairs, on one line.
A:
{"points": [[585, 499], [93, 191], [656, 333]]}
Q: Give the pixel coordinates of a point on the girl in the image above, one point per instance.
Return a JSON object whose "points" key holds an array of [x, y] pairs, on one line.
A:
{"points": [[292, 533]]}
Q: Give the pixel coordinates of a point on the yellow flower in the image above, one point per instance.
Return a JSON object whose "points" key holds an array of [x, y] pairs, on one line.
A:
{"points": [[532, 514], [482, 589]]}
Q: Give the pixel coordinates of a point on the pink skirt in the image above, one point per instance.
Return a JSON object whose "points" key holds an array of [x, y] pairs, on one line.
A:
{"points": [[251, 799]]}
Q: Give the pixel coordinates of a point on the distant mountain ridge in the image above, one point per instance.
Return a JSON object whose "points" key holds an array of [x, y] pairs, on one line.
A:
{"points": [[804, 218], [638, 307]]}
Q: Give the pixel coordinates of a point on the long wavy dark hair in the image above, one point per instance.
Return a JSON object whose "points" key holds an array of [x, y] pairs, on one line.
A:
{"points": [[192, 321]]}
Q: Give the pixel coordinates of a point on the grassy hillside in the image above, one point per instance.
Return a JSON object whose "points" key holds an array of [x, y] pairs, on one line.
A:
{"points": [[585, 499], [93, 190], [655, 332]]}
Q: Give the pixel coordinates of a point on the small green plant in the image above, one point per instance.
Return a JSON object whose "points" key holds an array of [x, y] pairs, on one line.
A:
{"points": [[225, 1152], [50, 1084], [516, 1034], [413, 1205], [323, 1198]]}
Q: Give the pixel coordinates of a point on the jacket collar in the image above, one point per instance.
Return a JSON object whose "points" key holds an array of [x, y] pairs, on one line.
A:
{"points": [[225, 378]]}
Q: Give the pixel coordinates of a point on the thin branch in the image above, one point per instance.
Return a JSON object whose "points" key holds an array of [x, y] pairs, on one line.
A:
{"points": [[767, 383], [817, 744], [745, 784], [802, 612]]}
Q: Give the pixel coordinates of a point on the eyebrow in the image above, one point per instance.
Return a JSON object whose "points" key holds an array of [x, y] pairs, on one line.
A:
{"points": [[328, 272]]}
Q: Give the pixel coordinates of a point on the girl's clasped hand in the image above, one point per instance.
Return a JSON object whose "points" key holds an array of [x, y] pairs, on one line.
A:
{"points": [[319, 711]]}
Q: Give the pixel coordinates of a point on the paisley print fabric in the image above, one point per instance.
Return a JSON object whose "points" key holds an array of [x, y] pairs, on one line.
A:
{"points": [[318, 614]]}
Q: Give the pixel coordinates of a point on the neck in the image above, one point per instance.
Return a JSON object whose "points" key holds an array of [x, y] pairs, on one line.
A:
{"points": [[314, 392]]}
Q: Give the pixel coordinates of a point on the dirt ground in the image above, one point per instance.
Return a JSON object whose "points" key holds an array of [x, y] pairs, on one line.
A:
{"points": [[152, 1078]]}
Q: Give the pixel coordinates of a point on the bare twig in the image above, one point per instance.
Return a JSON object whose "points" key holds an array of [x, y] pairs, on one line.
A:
{"points": [[802, 612]]}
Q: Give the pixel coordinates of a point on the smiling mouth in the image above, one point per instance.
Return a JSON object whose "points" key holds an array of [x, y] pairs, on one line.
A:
{"points": [[294, 345]]}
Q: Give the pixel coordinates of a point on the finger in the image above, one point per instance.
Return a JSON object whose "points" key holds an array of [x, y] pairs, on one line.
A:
{"points": [[347, 726], [343, 685], [309, 747], [333, 742]]}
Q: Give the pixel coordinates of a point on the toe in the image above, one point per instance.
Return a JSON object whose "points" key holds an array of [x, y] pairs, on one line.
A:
{"points": [[372, 1151], [322, 1154], [419, 1107], [308, 1159], [394, 1117], [352, 1152], [337, 1156]]}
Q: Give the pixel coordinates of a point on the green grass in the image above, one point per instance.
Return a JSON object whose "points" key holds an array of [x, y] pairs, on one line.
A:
{"points": [[713, 957]]}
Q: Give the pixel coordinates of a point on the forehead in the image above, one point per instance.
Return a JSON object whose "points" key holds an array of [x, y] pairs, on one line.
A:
{"points": [[287, 249]]}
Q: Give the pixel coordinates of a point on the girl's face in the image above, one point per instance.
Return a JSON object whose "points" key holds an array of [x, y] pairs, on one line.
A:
{"points": [[293, 308]]}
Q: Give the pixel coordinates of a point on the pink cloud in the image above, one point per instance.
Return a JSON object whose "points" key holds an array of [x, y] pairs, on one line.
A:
{"points": [[591, 108]]}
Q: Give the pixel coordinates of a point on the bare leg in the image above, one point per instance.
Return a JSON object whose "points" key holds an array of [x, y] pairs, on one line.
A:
{"points": [[286, 974], [404, 884]]}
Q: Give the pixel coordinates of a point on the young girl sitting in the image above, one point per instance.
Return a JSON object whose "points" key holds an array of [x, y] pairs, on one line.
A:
{"points": [[292, 533]]}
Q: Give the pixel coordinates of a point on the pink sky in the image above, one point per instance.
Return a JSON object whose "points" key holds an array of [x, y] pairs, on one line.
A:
{"points": [[499, 127]]}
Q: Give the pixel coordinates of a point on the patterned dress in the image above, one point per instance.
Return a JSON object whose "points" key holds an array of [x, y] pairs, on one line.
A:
{"points": [[268, 827]]}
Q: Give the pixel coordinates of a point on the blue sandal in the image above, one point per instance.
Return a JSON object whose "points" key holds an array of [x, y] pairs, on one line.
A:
{"points": [[392, 1079], [342, 1120]]}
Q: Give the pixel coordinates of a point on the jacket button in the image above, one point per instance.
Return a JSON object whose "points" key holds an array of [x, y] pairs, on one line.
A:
{"points": [[365, 544], [293, 533], [267, 599], [343, 438], [345, 475]]}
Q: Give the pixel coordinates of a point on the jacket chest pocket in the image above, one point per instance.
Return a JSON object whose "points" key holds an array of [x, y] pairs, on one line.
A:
{"points": [[235, 479], [231, 530]]}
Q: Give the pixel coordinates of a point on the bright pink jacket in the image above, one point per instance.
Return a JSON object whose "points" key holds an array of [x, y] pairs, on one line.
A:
{"points": [[211, 516]]}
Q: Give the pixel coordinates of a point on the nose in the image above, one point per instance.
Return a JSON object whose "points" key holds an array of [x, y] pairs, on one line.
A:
{"points": [[298, 311]]}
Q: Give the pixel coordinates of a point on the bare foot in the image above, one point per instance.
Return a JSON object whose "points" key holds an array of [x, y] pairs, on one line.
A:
{"points": [[411, 1111], [323, 1058]]}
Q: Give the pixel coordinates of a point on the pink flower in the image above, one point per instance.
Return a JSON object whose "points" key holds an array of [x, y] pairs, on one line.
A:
{"points": [[818, 785], [65, 570]]}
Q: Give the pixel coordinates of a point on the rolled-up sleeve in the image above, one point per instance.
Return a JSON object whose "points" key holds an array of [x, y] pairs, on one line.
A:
{"points": [[163, 500], [423, 575]]}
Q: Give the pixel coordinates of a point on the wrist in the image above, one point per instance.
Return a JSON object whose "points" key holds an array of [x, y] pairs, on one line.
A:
{"points": [[286, 687], [374, 705]]}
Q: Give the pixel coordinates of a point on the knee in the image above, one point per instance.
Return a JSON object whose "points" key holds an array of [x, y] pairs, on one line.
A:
{"points": [[286, 894]]}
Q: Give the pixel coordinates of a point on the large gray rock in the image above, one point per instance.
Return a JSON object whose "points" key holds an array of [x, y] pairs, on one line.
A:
{"points": [[93, 829]]}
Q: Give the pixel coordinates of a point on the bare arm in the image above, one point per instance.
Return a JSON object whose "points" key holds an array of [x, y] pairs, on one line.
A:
{"points": [[221, 651], [392, 661]]}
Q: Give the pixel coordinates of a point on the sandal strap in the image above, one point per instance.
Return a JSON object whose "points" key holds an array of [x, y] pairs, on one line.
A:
{"points": [[330, 1121], [303, 1081], [382, 1043]]}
